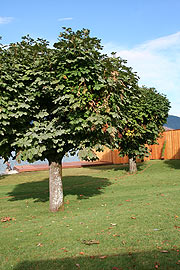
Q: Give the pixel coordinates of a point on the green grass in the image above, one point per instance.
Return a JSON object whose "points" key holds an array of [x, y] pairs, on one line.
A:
{"points": [[135, 218]]}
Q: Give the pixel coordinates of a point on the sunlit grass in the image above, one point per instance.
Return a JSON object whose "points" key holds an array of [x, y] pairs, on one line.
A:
{"points": [[134, 220]]}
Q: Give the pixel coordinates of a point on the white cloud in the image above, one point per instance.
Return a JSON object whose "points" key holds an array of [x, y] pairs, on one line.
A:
{"points": [[162, 43], [5, 20], [65, 19], [157, 63]]}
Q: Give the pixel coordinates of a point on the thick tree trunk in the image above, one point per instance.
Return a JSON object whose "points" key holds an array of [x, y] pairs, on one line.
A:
{"points": [[132, 165], [55, 187]]}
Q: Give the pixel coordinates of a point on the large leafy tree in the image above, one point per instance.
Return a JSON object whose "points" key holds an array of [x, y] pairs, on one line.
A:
{"points": [[58, 100], [145, 117]]}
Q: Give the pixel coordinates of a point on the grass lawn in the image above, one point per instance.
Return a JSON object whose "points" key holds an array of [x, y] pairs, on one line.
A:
{"points": [[112, 220]]}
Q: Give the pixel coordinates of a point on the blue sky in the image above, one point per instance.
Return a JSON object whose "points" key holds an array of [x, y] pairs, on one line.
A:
{"points": [[145, 32]]}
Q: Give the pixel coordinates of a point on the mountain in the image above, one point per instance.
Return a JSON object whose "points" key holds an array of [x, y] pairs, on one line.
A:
{"points": [[173, 122]]}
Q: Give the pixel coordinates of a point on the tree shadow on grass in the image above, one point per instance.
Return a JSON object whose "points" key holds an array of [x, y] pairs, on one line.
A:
{"points": [[82, 186], [173, 163], [132, 261], [2, 176], [114, 167], [119, 167]]}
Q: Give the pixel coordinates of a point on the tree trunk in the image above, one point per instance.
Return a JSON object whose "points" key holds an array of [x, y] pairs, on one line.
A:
{"points": [[132, 165], [55, 187]]}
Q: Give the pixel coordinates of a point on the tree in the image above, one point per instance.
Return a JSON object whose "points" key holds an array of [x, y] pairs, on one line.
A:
{"points": [[58, 100], [145, 117]]}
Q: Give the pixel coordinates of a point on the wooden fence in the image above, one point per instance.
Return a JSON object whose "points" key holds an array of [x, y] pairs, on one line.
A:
{"points": [[172, 149]]}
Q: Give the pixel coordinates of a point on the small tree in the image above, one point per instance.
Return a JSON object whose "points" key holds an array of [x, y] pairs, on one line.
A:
{"points": [[145, 117], [54, 101]]}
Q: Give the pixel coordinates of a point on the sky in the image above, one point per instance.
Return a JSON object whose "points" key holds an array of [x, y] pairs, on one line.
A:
{"points": [[144, 32]]}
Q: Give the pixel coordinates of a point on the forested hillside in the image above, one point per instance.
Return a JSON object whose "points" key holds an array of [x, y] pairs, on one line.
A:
{"points": [[173, 122]]}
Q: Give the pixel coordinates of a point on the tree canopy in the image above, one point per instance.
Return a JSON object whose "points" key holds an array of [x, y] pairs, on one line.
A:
{"points": [[51, 98], [61, 99], [144, 122]]}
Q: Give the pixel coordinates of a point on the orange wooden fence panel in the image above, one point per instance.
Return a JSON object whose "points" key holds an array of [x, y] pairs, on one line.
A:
{"points": [[106, 155], [156, 149], [172, 150], [117, 159]]}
